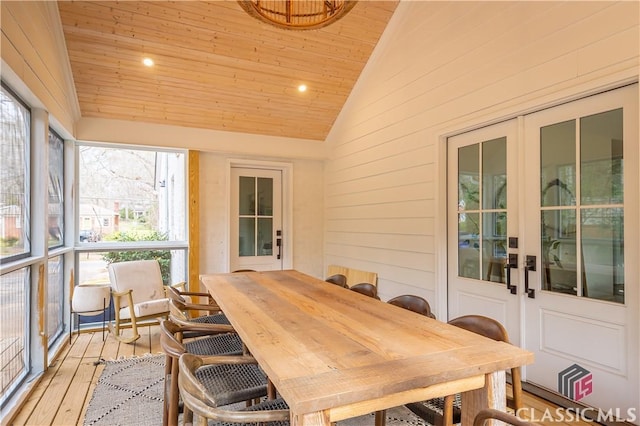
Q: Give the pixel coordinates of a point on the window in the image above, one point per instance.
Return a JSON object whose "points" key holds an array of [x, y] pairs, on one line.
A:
{"points": [[14, 241], [55, 238], [14, 303], [131, 205], [124, 195], [14, 177], [56, 190]]}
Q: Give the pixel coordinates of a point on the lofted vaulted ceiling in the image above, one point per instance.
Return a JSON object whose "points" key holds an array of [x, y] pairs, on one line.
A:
{"points": [[215, 66]]}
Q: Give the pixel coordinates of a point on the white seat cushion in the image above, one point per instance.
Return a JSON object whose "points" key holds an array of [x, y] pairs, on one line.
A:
{"points": [[152, 307]]}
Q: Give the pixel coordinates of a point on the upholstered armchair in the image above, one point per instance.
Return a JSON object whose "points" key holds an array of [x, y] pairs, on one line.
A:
{"points": [[138, 295]]}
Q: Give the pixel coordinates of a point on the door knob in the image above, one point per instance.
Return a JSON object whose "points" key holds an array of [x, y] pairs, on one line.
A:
{"points": [[529, 265], [512, 262], [279, 243]]}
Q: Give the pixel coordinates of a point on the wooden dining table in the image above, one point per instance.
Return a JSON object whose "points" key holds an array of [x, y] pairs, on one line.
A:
{"points": [[333, 353]]}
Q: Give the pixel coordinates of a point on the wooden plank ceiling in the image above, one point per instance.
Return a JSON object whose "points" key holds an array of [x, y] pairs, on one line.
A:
{"points": [[215, 66]]}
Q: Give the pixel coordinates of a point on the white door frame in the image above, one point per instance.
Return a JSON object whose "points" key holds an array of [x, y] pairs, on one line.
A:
{"points": [[287, 204]]}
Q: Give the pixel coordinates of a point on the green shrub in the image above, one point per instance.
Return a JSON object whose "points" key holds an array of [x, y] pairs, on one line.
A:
{"points": [[9, 241], [162, 256]]}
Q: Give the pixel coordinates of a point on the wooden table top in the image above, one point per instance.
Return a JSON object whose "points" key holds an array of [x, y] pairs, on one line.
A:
{"points": [[326, 347]]}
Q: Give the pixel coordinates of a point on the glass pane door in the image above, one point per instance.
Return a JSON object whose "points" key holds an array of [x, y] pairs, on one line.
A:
{"points": [[256, 240], [482, 214], [482, 210], [582, 212], [256, 216]]}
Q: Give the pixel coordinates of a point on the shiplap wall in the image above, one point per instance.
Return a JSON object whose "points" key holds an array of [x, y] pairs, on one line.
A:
{"points": [[442, 68], [34, 50]]}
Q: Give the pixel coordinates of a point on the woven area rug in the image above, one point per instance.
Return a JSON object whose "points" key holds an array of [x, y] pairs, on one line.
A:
{"points": [[129, 392]]}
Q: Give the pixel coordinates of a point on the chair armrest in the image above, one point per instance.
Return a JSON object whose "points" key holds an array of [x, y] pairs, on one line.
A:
{"points": [[195, 293], [116, 302], [201, 307], [491, 414], [117, 295], [182, 285], [228, 359], [121, 293], [188, 307], [170, 346], [177, 297], [202, 327]]}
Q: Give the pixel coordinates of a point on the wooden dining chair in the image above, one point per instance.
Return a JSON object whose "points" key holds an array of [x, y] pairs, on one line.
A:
{"points": [[203, 300], [413, 303], [367, 289], [338, 279], [446, 411], [247, 383], [182, 308], [199, 399], [492, 329], [493, 414]]}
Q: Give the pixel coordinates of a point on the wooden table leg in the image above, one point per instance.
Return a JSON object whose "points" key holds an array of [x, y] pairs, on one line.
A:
{"points": [[319, 418], [492, 395]]}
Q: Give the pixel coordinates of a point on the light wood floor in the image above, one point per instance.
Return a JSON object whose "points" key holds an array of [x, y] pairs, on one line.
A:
{"points": [[63, 393]]}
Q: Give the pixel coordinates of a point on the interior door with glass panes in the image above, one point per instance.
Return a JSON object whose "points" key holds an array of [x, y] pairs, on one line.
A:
{"points": [[581, 250], [482, 214], [256, 219]]}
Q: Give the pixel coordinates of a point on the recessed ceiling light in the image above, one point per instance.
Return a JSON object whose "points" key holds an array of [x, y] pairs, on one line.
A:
{"points": [[302, 88], [147, 62]]}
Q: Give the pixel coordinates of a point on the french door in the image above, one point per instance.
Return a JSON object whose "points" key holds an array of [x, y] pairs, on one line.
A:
{"points": [[256, 219], [482, 193], [571, 229], [581, 210]]}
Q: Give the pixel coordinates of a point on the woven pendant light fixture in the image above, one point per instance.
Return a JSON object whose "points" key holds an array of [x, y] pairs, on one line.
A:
{"points": [[298, 14]]}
